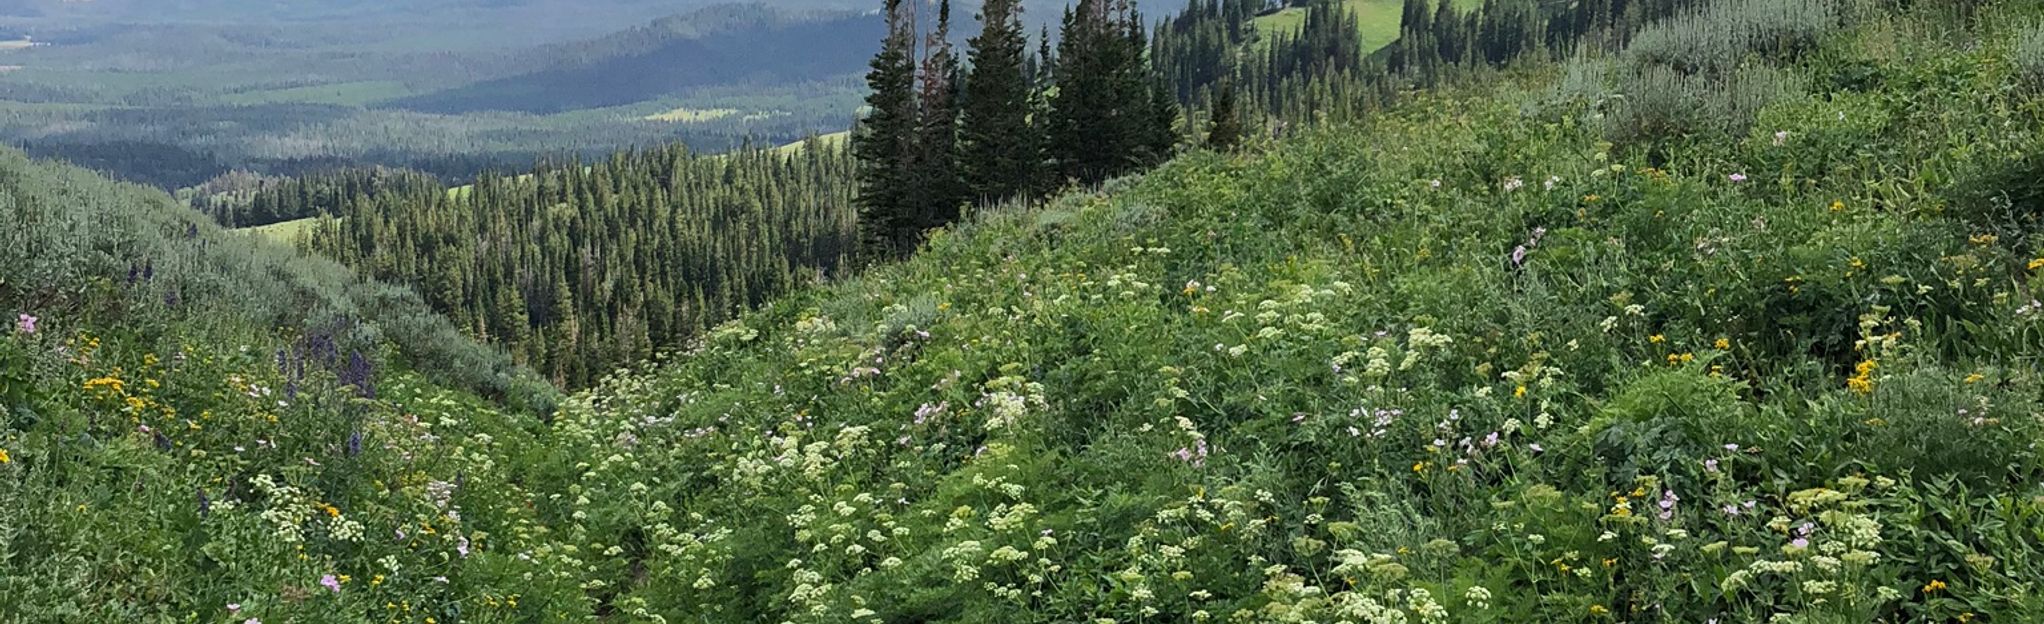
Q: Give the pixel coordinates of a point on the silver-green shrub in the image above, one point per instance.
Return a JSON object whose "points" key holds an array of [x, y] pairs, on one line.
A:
{"points": [[2030, 56], [1659, 102], [1717, 38]]}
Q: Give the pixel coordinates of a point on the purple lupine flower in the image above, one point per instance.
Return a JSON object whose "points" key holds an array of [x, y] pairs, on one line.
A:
{"points": [[355, 444], [205, 504]]}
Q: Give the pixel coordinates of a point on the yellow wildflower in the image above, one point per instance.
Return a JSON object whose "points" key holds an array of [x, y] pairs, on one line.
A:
{"points": [[1862, 380], [1722, 344], [1934, 586], [4, 459], [1975, 378], [2037, 264], [1657, 339]]}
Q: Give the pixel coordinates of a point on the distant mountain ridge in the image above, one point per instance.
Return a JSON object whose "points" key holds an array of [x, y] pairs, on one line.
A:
{"points": [[719, 45]]}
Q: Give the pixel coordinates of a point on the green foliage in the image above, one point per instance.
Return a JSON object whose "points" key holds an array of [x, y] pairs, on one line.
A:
{"points": [[2005, 198]]}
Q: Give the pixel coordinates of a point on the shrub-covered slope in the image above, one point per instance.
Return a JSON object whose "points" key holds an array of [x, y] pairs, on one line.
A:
{"points": [[1469, 362], [192, 417], [1463, 364]]}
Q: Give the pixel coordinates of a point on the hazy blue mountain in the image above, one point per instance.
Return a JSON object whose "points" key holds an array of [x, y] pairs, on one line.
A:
{"points": [[721, 45]]}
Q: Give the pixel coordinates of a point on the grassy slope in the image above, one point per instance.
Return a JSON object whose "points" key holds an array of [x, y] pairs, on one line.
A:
{"points": [[1261, 387], [181, 382], [284, 232], [831, 140], [1376, 20], [1290, 383]]}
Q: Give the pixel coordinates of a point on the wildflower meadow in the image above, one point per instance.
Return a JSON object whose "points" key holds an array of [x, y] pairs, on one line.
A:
{"points": [[1510, 351]]}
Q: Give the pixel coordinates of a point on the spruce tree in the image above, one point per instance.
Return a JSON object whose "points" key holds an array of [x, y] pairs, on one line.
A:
{"points": [[884, 141], [1102, 114], [1225, 132], [998, 148], [938, 187]]}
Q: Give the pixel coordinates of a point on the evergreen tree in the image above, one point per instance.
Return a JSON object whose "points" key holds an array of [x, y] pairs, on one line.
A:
{"points": [[1448, 37], [998, 147], [1225, 132], [1102, 116], [1159, 126], [938, 186], [884, 141]]}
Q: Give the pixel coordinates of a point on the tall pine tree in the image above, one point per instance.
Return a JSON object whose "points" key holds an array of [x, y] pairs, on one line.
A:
{"points": [[938, 188], [1224, 134], [1102, 118], [998, 146], [885, 140]]}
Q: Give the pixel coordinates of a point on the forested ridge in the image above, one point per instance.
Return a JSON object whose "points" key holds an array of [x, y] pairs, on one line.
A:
{"points": [[579, 268]]}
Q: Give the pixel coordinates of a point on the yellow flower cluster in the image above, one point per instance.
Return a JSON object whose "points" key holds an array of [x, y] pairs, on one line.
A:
{"points": [[1862, 380]]}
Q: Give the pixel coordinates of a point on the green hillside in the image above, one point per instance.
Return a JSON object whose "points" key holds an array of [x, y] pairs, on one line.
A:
{"points": [[1538, 347], [1376, 20], [284, 233]]}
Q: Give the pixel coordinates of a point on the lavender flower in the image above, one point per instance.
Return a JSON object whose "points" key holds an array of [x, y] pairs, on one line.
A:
{"points": [[330, 582], [1736, 177], [25, 323]]}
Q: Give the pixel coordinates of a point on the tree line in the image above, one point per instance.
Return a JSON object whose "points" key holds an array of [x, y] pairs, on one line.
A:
{"points": [[1237, 78], [938, 138], [578, 268]]}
